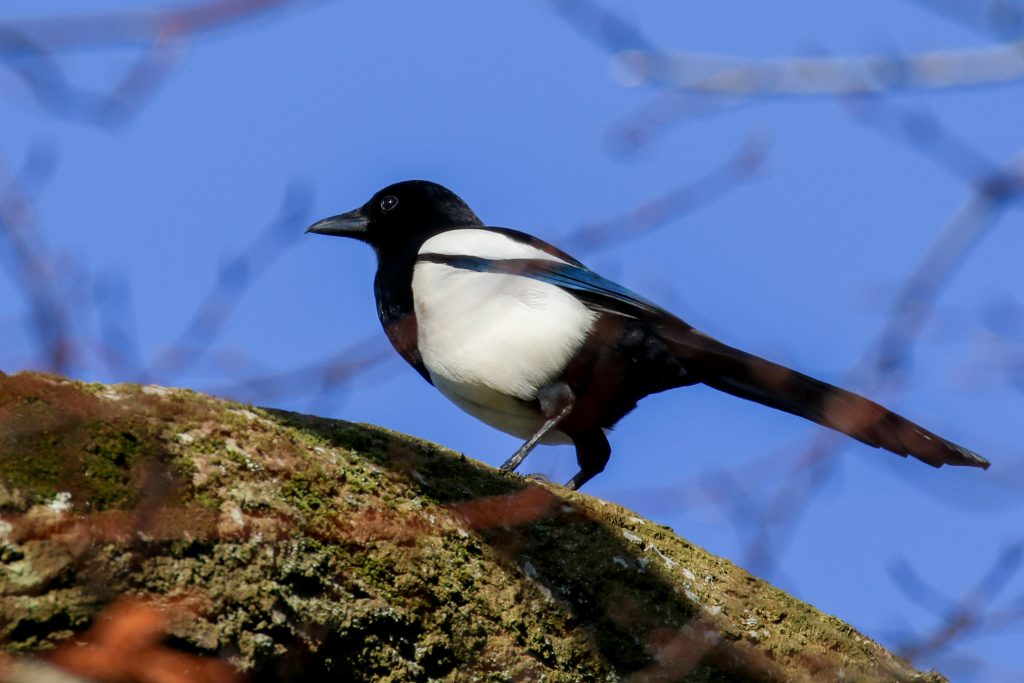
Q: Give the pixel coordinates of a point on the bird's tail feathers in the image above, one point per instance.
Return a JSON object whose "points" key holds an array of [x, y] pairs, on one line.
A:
{"points": [[756, 379]]}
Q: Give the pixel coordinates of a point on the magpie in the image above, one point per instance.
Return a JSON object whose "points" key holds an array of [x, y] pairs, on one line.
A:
{"points": [[524, 337]]}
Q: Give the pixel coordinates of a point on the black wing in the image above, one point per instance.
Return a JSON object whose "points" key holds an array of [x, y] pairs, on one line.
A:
{"points": [[736, 372]]}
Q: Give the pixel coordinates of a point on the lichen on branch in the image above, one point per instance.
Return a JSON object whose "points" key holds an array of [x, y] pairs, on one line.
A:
{"points": [[290, 546]]}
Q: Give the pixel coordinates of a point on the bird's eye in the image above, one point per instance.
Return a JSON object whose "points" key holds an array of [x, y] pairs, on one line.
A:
{"points": [[389, 202]]}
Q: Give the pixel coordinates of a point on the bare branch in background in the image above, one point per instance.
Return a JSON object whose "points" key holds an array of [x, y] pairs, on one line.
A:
{"points": [[606, 29], [882, 368], [332, 374], [1003, 352], [663, 111], [657, 212], [1000, 18], [1005, 317], [41, 72], [233, 281], [973, 614], [34, 268], [824, 76], [32, 50], [995, 189], [144, 26], [923, 132], [693, 85], [117, 346]]}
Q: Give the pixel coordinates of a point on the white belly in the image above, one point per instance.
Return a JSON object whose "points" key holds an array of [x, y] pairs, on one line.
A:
{"points": [[505, 414], [490, 341]]}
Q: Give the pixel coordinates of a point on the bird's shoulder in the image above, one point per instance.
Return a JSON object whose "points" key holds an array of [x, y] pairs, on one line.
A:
{"points": [[494, 243]]}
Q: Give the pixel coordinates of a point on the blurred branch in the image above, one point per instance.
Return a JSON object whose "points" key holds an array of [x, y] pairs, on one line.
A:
{"points": [[912, 308], [31, 50], [640, 63], [823, 76], [770, 521], [141, 27], [924, 133], [1003, 320], [233, 280], [973, 614], [685, 199], [1001, 18], [118, 344], [604, 28], [662, 111], [32, 267], [126, 645], [884, 364], [52, 90], [321, 376], [995, 189], [692, 85]]}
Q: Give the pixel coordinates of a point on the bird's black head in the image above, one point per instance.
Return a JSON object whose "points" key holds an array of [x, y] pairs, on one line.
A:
{"points": [[400, 214]]}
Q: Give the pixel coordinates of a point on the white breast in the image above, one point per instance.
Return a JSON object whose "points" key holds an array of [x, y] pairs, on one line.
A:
{"points": [[489, 340]]}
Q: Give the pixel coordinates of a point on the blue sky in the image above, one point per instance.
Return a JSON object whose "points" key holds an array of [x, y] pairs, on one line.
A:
{"points": [[510, 106]]}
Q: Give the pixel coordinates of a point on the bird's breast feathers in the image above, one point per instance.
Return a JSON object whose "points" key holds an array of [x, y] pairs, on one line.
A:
{"points": [[492, 337]]}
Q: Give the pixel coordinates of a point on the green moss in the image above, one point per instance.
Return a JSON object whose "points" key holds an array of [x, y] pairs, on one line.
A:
{"points": [[207, 498], [340, 551], [312, 492], [109, 457], [378, 572], [207, 445], [352, 438], [32, 464]]}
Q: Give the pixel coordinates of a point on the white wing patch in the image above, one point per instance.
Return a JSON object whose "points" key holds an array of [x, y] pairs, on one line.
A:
{"points": [[483, 244]]}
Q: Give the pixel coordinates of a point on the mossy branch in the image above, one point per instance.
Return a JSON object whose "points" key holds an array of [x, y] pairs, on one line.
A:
{"points": [[292, 546]]}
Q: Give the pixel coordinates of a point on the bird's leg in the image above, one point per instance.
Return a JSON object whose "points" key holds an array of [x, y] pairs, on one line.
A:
{"points": [[556, 402], [517, 458], [592, 453]]}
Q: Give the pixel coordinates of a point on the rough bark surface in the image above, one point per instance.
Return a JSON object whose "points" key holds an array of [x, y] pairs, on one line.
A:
{"points": [[296, 547]]}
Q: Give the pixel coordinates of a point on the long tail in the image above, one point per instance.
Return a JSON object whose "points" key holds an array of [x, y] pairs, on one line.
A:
{"points": [[756, 379]]}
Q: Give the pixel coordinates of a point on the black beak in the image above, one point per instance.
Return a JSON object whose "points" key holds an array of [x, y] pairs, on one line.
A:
{"points": [[352, 224]]}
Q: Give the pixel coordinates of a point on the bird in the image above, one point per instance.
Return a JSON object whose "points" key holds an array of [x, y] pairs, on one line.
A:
{"points": [[527, 339]]}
